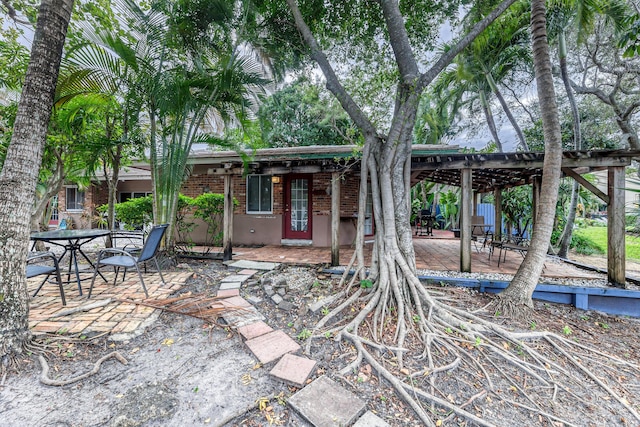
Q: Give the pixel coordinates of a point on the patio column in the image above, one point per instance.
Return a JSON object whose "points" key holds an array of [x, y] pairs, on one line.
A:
{"points": [[537, 184], [497, 214], [335, 218], [465, 220], [476, 197], [616, 261], [227, 224]]}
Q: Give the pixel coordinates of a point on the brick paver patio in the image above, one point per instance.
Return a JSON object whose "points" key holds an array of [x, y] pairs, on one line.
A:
{"points": [[440, 252], [48, 315]]}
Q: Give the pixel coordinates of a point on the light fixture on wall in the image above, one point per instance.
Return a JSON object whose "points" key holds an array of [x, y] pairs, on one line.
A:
{"points": [[206, 189], [275, 179]]}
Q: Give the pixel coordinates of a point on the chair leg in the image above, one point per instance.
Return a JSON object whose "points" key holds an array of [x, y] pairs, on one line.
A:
{"points": [[40, 287], [159, 271], [142, 281], [93, 279], [59, 279]]}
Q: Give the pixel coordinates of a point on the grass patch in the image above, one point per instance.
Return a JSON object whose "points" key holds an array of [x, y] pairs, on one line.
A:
{"points": [[593, 240]]}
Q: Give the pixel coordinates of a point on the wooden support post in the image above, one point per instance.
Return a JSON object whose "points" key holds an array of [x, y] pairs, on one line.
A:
{"points": [[476, 197], [616, 261], [335, 218], [465, 220], [497, 218], [537, 184], [227, 224]]}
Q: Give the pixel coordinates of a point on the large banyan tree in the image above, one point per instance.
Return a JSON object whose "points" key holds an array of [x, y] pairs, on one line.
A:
{"points": [[368, 48]]}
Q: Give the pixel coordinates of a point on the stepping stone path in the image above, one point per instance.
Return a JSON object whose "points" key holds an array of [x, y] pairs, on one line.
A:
{"points": [[369, 419], [293, 369], [323, 402]]}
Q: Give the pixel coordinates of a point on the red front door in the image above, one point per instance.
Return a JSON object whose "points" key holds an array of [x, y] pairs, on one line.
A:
{"points": [[297, 207]]}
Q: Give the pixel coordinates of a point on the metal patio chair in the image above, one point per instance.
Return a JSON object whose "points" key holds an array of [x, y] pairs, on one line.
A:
{"points": [[119, 258], [37, 265]]}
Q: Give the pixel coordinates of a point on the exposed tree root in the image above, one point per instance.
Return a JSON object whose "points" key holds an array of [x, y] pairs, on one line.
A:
{"points": [[487, 360], [44, 375]]}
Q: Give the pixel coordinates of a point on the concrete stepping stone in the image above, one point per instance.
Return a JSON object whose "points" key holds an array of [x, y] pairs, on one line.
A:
{"points": [[247, 272], [254, 330], [252, 265], [369, 419], [236, 278], [230, 285], [272, 346], [324, 403], [238, 312], [226, 293], [322, 302], [293, 369]]}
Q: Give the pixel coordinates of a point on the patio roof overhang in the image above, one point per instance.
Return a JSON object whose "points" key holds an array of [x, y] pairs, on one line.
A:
{"points": [[504, 170], [304, 159]]}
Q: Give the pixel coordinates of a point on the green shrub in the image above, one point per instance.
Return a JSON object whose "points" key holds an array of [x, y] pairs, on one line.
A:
{"points": [[184, 228], [209, 207], [584, 245], [135, 213]]}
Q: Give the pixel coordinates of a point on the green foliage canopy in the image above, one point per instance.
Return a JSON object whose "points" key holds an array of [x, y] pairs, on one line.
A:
{"points": [[302, 114]]}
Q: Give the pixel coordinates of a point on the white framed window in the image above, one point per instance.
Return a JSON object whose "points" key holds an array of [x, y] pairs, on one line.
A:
{"points": [[124, 196], [74, 199], [259, 194]]}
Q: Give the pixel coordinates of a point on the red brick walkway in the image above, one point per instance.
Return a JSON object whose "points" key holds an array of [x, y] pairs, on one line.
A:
{"points": [[441, 253]]}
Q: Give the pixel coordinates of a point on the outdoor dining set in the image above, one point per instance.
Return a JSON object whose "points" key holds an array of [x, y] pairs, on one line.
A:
{"points": [[130, 256], [482, 236]]}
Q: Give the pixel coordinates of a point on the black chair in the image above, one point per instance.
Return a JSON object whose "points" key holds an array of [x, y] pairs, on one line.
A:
{"points": [[424, 223], [37, 266], [125, 259]]}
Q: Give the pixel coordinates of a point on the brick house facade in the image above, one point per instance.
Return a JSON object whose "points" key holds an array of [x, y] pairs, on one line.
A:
{"points": [[250, 228]]}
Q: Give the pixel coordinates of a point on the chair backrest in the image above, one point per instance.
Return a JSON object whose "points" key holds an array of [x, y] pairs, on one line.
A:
{"points": [[477, 219], [152, 244]]}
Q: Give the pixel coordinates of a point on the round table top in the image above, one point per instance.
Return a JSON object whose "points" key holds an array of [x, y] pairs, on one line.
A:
{"points": [[69, 234]]}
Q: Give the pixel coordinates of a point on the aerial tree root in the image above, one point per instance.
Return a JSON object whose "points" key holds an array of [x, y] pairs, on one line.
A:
{"points": [[529, 370], [44, 375]]}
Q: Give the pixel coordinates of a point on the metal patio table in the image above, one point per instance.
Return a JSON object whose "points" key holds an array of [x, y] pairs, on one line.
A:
{"points": [[71, 241]]}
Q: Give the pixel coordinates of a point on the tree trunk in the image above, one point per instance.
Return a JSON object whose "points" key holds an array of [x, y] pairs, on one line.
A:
{"points": [[507, 111], [517, 297], [490, 120], [53, 187], [567, 232], [20, 172], [115, 154]]}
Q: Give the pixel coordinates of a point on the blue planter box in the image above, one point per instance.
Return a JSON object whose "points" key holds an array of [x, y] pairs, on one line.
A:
{"points": [[609, 300]]}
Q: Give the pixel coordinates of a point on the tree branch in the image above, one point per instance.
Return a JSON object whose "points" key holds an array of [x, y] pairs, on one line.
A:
{"points": [[399, 40], [13, 14], [333, 83], [447, 57]]}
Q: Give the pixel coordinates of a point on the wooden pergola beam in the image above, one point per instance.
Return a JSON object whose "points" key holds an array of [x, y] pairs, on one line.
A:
{"points": [[586, 184]]}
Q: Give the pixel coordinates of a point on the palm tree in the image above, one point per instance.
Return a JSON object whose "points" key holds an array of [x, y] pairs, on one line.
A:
{"points": [[517, 298], [20, 172], [181, 79], [579, 14], [493, 56]]}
